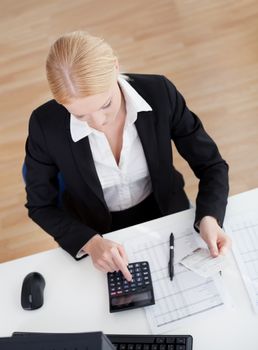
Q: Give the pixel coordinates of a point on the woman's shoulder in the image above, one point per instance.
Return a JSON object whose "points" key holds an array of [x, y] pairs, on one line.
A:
{"points": [[143, 78], [49, 113], [50, 107], [49, 116], [152, 87], [148, 81]]}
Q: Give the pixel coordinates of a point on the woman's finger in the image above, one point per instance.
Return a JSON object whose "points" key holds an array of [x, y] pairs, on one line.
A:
{"points": [[108, 259], [104, 266], [224, 245], [123, 254], [122, 266], [212, 245], [213, 249]]}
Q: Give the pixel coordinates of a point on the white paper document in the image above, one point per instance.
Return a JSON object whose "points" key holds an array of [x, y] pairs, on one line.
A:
{"points": [[244, 233], [187, 295], [201, 262]]}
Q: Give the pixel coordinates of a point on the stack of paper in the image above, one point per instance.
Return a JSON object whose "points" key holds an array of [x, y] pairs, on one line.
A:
{"points": [[188, 295], [244, 233]]}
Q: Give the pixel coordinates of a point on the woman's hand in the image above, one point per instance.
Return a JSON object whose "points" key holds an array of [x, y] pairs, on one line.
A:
{"points": [[217, 241], [107, 256]]}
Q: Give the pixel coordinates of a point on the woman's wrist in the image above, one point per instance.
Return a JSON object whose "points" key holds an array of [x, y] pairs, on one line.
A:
{"points": [[207, 219], [87, 247]]}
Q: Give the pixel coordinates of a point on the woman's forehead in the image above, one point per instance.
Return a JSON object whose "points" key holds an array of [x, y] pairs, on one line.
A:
{"points": [[90, 104]]}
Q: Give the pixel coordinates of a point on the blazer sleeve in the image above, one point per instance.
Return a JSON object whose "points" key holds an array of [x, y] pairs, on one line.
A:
{"points": [[202, 154], [42, 194]]}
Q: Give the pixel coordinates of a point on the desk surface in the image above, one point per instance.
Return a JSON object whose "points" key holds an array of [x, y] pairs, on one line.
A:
{"points": [[76, 297]]}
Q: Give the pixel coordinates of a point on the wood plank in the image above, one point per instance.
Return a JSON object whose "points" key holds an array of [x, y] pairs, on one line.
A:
{"points": [[209, 49]]}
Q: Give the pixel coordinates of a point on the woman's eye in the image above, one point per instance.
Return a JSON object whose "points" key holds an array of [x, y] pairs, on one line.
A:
{"points": [[108, 105]]}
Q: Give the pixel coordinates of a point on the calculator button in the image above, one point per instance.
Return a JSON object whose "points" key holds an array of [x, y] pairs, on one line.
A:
{"points": [[113, 294]]}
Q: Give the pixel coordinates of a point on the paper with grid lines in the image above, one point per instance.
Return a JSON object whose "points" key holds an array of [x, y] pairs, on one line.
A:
{"points": [[187, 295], [244, 233]]}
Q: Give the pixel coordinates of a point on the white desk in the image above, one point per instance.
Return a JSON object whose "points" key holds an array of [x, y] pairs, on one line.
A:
{"points": [[76, 297]]}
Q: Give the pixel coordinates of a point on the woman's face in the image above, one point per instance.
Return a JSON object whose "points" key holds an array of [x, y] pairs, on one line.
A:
{"points": [[99, 110]]}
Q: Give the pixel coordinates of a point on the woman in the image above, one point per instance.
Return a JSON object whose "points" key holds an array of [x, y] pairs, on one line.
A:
{"points": [[110, 138]]}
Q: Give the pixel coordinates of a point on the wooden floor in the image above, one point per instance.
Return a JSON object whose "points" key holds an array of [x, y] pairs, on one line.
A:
{"points": [[208, 48]]}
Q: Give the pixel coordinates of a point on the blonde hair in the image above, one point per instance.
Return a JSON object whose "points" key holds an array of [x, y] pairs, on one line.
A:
{"points": [[79, 65]]}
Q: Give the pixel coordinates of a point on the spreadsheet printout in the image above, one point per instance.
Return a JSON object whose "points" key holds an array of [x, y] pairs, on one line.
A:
{"points": [[188, 295], [243, 230]]}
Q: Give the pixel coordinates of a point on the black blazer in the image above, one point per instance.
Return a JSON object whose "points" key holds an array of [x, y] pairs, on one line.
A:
{"points": [[50, 149]]}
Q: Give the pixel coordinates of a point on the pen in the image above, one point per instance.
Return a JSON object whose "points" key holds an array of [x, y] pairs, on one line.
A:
{"points": [[171, 257]]}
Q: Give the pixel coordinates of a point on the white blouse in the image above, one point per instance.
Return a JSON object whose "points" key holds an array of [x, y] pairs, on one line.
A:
{"points": [[127, 183]]}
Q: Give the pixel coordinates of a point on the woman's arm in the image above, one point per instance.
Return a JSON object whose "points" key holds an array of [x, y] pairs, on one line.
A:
{"points": [[202, 154], [42, 194], [42, 203]]}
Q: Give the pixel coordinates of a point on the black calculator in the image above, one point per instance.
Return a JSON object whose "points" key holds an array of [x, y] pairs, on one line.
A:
{"points": [[124, 295]]}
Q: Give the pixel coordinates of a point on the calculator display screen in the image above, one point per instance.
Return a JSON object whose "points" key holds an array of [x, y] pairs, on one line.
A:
{"points": [[131, 299]]}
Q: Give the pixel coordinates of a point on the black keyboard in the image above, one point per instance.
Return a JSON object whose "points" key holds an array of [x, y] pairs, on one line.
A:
{"points": [[151, 342]]}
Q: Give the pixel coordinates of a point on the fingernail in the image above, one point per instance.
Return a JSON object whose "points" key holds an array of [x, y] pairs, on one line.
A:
{"points": [[214, 253]]}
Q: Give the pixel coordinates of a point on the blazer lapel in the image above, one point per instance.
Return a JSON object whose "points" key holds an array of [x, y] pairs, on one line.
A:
{"points": [[145, 126], [84, 160]]}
